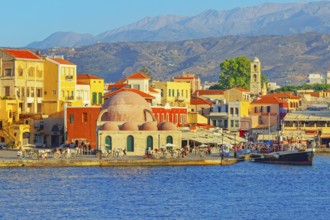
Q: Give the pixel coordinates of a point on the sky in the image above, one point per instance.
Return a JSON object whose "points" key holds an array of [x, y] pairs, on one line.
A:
{"points": [[26, 21]]}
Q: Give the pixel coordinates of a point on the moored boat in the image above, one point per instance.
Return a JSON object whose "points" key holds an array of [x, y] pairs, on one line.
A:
{"points": [[292, 157]]}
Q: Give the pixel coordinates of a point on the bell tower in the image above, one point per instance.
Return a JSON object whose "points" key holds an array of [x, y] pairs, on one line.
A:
{"points": [[255, 77]]}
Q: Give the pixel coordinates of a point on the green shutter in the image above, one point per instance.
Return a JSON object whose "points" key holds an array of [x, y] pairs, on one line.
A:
{"points": [[94, 98], [108, 143]]}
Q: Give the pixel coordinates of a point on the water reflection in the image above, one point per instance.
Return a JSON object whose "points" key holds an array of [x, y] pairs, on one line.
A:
{"points": [[211, 192]]}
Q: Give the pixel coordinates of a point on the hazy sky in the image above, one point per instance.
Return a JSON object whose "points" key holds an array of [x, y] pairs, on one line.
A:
{"points": [[25, 21]]}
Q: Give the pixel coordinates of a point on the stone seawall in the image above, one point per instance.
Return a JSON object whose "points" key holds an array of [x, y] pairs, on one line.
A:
{"points": [[108, 163]]}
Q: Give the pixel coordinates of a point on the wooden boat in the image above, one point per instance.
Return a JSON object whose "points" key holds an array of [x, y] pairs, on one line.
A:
{"points": [[292, 157]]}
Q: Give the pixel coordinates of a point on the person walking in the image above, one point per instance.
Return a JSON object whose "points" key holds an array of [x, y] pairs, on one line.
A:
{"points": [[19, 154]]}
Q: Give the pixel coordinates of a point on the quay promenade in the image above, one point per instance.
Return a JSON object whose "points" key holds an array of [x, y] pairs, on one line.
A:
{"points": [[8, 159]]}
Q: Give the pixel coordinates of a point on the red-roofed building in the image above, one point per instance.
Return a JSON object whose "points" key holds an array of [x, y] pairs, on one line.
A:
{"points": [[22, 78], [209, 94], [237, 94], [195, 82], [176, 115], [21, 54], [294, 102], [60, 85], [267, 113], [96, 87]]}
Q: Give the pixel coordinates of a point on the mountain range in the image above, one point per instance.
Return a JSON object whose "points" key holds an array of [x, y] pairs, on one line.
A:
{"points": [[284, 59], [265, 19], [291, 41]]}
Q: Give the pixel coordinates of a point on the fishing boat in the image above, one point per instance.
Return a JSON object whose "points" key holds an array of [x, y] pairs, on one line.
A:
{"points": [[290, 157]]}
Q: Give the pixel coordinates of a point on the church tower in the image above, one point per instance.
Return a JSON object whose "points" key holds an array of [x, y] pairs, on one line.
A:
{"points": [[255, 78]]}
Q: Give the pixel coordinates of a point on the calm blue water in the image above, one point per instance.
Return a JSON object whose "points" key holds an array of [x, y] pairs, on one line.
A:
{"points": [[245, 190]]}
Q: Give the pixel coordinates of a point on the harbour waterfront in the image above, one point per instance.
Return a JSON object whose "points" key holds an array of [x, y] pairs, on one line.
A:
{"points": [[244, 190]]}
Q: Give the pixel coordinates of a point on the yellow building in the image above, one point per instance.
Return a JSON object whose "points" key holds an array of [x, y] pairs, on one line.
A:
{"points": [[22, 77], [176, 94], [195, 81], [12, 131], [96, 87], [237, 94], [60, 85]]}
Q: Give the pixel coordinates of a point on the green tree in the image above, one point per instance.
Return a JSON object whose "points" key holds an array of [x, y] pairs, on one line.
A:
{"points": [[235, 72]]}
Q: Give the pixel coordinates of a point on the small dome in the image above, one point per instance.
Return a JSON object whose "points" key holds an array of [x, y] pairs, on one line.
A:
{"points": [[256, 60], [149, 126], [109, 126], [167, 126], [129, 126]]}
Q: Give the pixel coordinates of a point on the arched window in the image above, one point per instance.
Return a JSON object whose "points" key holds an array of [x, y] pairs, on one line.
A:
{"points": [[130, 143], [150, 143], [169, 140], [108, 143], [254, 77]]}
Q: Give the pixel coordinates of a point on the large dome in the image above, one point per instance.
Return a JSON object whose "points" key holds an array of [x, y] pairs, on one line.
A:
{"points": [[128, 106]]}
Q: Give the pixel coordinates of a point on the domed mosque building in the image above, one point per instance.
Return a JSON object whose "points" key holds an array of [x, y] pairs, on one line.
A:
{"points": [[126, 121]]}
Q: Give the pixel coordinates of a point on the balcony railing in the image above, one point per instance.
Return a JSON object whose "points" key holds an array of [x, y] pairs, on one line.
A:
{"points": [[69, 77]]}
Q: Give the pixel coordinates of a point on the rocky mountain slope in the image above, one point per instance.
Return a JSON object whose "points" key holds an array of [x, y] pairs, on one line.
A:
{"points": [[284, 59]]}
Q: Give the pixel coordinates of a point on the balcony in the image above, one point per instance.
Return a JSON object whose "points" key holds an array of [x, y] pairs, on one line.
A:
{"points": [[69, 77], [180, 98], [69, 98], [218, 114]]}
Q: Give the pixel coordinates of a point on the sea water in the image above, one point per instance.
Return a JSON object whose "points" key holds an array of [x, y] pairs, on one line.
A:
{"points": [[245, 190]]}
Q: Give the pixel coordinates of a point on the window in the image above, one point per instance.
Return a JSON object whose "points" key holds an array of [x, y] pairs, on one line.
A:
{"points": [[150, 144], [172, 92], [39, 93], [84, 117], [236, 123], [261, 109], [161, 92], [108, 143], [268, 109], [71, 118], [255, 109], [130, 143], [236, 111], [94, 98], [7, 91], [169, 140], [231, 111], [169, 93], [231, 123], [100, 97], [7, 72]]}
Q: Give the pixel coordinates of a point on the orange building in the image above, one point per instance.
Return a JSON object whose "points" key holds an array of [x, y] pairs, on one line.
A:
{"points": [[81, 124]]}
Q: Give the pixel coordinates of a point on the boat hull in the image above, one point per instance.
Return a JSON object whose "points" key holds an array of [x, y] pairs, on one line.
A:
{"points": [[301, 157]]}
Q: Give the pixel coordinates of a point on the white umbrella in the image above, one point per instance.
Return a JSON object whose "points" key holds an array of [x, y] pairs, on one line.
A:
{"points": [[203, 145], [168, 145]]}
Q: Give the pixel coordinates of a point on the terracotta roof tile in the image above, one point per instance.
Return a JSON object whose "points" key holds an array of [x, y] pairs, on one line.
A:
{"points": [[282, 95], [143, 94], [152, 90], [199, 101], [22, 54], [269, 100], [62, 61], [138, 75], [208, 92]]}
